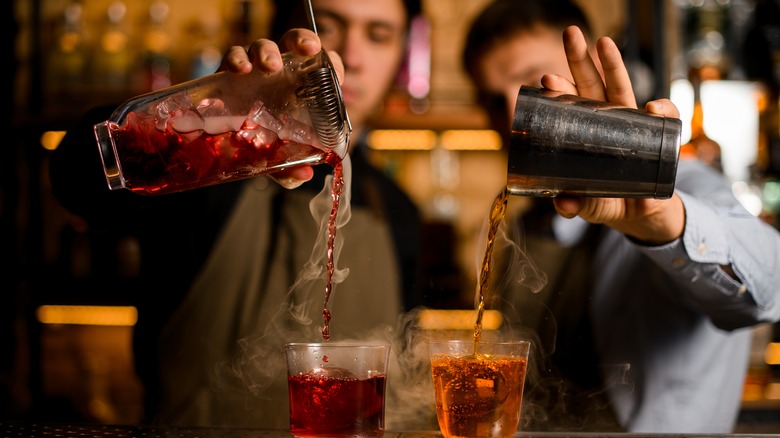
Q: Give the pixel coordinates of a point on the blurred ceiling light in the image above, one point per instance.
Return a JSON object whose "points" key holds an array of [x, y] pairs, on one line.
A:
{"points": [[772, 353], [423, 139], [87, 315], [402, 139], [471, 140], [772, 391], [51, 139]]}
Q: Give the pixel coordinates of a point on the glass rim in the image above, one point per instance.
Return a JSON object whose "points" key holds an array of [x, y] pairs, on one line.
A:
{"points": [[490, 341], [337, 344]]}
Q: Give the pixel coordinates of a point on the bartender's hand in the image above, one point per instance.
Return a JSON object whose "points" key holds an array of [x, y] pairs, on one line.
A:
{"points": [[266, 55], [651, 221]]}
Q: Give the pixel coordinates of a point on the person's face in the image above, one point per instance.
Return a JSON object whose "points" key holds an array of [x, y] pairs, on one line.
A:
{"points": [[521, 60], [370, 36]]}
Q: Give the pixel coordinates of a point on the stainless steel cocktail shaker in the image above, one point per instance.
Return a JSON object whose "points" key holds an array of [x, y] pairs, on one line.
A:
{"points": [[567, 145]]}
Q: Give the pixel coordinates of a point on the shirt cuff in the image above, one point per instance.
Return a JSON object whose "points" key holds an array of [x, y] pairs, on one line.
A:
{"points": [[699, 253]]}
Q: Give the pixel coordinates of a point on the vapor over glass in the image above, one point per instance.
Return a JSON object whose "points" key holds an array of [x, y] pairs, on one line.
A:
{"points": [[478, 394], [337, 389]]}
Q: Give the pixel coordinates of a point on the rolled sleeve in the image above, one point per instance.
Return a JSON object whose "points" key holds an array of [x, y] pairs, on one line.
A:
{"points": [[713, 238]]}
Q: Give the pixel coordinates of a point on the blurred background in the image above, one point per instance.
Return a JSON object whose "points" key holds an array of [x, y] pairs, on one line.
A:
{"points": [[66, 325]]}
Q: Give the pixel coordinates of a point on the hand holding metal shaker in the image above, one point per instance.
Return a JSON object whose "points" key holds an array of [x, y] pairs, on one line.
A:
{"points": [[566, 144]]}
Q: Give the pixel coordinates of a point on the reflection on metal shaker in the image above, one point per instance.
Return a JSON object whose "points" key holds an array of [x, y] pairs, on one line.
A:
{"points": [[567, 145]]}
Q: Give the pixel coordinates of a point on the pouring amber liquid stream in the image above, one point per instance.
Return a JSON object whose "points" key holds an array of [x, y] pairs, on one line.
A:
{"points": [[497, 212]]}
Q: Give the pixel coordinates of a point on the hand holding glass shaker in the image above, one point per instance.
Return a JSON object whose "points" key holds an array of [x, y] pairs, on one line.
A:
{"points": [[563, 144], [225, 127]]}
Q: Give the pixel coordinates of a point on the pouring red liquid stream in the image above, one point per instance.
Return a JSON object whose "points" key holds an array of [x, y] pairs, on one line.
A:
{"points": [[337, 188]]}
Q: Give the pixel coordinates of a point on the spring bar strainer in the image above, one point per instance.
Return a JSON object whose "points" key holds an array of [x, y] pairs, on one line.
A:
{"points": [[322, 93]]}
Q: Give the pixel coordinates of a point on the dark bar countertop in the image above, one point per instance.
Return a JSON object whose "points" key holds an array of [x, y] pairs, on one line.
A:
{"points": [[31, 429]]}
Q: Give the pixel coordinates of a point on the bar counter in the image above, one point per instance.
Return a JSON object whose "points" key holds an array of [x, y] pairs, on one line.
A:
{"points": [[13, 429]]}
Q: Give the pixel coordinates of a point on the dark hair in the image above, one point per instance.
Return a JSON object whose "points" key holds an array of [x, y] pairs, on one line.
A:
{"points": [[502, 20], [291, 13]]}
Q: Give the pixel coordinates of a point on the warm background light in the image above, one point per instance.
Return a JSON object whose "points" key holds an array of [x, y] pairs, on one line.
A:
{"points": [[424, 139], [471, 140], [88, 315], [402, 139], [772, 353], [51, 139]]}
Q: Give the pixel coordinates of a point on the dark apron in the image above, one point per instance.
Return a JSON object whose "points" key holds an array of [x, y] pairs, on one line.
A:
{"points": [[564, 389]]}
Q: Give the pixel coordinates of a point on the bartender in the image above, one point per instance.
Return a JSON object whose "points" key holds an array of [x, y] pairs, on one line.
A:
{"points": [[645, 322], [219, 290]]}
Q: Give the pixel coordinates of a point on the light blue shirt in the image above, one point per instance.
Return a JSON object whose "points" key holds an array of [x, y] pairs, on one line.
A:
{"points": [[671, 327]]}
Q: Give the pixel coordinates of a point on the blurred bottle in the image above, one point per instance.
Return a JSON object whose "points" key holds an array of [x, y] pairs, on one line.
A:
{"points": [[241, 24], [706, 32], [155, 65], [68, 56], [412, 88], [207, 55], [761, 48], [418, 65], [97, 378], [701, 146], [761, 55], [114, 58]]}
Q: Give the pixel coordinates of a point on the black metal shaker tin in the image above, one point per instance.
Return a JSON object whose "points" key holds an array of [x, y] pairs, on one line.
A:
{"points": [[566, 144]]}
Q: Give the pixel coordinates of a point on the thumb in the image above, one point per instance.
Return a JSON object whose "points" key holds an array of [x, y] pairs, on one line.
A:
{"points": [[567, 207]]}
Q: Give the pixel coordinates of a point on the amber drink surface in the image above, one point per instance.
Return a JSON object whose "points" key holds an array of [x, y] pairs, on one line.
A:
{"points": [[478, 395]]}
